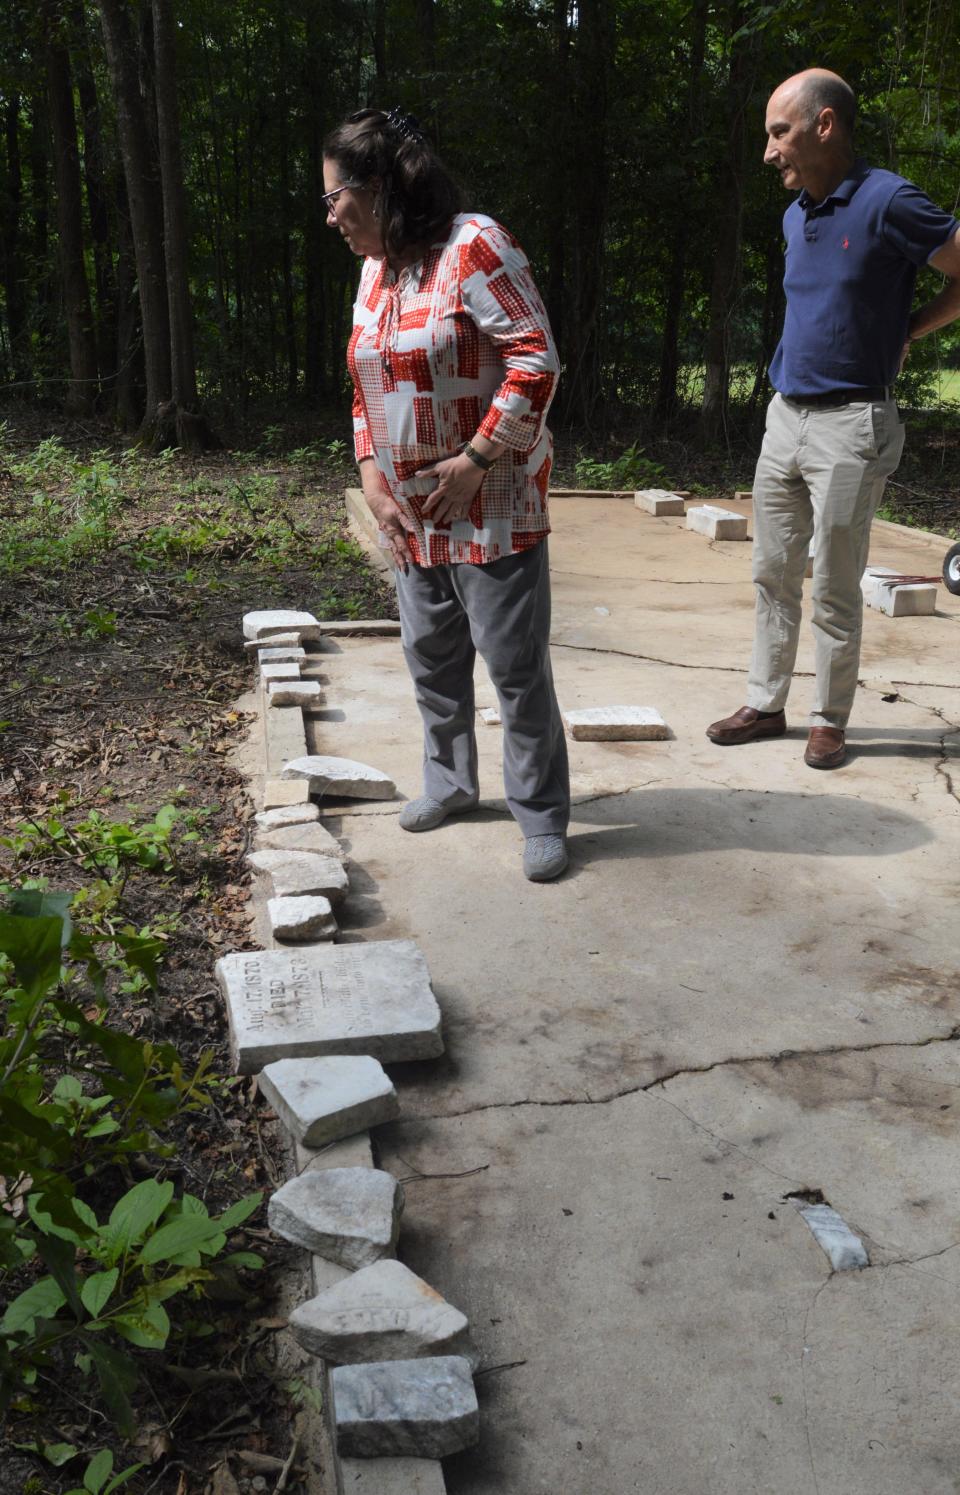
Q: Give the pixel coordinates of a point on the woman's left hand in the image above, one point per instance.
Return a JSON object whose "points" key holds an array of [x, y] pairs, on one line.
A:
{"points": [[459, 481]]}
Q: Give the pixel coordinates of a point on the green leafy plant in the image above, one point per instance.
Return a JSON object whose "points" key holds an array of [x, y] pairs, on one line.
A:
{"points": [[77, 1099], [630, 470]]}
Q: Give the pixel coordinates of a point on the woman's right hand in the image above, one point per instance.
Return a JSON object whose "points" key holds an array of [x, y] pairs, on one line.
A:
{"points": [[392, 522]]}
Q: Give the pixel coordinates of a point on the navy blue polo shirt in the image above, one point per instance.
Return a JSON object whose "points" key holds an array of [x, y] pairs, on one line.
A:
{"points": [[851, 268]]}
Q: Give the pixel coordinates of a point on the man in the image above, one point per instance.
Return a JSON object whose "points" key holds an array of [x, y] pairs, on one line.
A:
{"points": [[855, 238]]}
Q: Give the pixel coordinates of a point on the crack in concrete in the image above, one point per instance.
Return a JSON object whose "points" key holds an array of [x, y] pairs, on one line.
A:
{"points": [[701, 1069], [678, 664], [952, 729], [658, 581], [804, 1351]]}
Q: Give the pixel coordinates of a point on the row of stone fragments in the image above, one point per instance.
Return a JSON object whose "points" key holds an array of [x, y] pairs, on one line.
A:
{"points": [[317, 1021]]}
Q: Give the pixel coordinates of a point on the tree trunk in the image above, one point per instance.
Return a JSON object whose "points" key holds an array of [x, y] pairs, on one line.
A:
{"points": [[82, 388], [146, 222], [666, 405], [556, 194], [589, 169], [95, 184], [13, 268], [189, 427], [727, 238]]}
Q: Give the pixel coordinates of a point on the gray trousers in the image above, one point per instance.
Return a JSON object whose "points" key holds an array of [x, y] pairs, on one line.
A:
{"points": [[449, 614], [821, 474]]}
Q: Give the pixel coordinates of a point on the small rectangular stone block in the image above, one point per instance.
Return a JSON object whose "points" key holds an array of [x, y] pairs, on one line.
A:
{"points": [[869, 579], [301, 874], [281, 816], [360, 627], [350, 1216], [281, 793], [371, 998], [301, 919], [490, 716], [658, 501], [616, 724], [717, 524], [281, 656], [424, 1409], [272, 641], [294, 693], [343, 777], [354, 1151], [257, 625], [289, 671], [383, 1312], [743, 495], [286, 737], [913, 600], [306, 837], [322, 1100]]}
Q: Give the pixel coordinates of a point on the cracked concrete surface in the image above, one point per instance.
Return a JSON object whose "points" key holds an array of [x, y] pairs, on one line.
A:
{"points": [[747, 985]]}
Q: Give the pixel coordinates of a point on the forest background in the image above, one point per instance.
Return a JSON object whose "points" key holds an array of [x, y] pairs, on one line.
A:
{"points": [[163, 244]]}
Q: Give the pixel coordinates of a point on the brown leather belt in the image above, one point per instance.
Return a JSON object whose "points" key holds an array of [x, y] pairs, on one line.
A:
{"points": [[833, 399]]}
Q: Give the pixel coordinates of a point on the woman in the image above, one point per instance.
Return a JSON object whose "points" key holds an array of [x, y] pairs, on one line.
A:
{"points": [[454, 368]]}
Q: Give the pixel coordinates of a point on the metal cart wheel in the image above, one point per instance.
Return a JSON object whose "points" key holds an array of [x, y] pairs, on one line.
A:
{"points": [[951, 570]]}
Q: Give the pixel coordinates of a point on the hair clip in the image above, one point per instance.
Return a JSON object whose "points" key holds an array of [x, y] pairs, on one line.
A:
{"points": [[405, 125]]}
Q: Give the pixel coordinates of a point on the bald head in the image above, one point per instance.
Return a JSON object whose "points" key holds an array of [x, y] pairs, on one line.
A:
{"points": [[816, 89]]}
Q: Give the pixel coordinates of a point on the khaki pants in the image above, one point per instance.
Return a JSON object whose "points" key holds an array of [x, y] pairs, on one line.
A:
{"points": [[820, 474]]}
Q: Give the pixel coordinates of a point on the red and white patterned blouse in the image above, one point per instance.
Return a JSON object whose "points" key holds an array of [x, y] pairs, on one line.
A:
{"points": [[457, 345]]}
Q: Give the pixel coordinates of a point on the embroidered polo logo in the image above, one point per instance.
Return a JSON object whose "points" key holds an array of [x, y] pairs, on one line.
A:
{"points": [[845, 243]]}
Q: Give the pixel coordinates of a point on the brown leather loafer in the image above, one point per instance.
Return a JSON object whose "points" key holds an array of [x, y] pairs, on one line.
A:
{"points": [[826, 747], [746, 725]]}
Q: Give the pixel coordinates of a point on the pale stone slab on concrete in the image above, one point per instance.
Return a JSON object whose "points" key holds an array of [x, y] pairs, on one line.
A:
{"points": [[280, 620], [289, 671], [350, 1216], [422, 1408], [323, 1100], [272, 641], [300, 874], [845, 1250], [286, 793], [717, 524], [912, 600], [616, 724], [311, 836], [361, 627], [341, 776], [870, 580], [393, 1476], [330, 999], [384, 1312], [490, 716], [294, 693], [743, 495], [658, 501], [300, 919], [287, 814], [354, 1151], [286, 737], [281, 656]]}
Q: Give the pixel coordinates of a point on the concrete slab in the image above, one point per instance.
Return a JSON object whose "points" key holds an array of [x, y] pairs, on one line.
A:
{"points": [[778, 948]]}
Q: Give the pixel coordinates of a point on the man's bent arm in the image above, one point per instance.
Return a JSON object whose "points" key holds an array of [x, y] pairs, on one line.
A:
{"points": [[945, 307]]}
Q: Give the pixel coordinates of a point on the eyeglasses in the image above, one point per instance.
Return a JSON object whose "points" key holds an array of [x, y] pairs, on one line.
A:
{"points": [[329, 199]]}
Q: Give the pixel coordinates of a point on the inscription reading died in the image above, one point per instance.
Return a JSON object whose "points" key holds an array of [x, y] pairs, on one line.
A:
{"points": [[293, 998]]}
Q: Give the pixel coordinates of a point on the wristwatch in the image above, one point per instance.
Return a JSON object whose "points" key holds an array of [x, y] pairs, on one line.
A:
{"points": [[482, 462]]}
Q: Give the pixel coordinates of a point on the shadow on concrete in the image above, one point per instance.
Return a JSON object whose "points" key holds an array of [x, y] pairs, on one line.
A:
{"points": [[685, 822]]}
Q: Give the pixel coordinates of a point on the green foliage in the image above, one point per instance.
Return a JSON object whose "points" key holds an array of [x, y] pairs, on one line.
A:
{"points": [[78, 1100], [630, 470], [106, 846]]}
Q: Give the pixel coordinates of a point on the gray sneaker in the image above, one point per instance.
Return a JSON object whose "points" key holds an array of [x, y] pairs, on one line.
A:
{"points": [[544, 857], [426, 813]]}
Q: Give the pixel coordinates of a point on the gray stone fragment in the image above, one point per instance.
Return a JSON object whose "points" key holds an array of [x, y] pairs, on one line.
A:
{"points": [[616, 724], [294, 693], [322, 1100], [341, 776], [300, 919], [424, 1409], [658, 501], [845, 1250], [280, 620], [285, 793], [270, 672], [309, 837], [329, 999], [717, 523], [286, 815], [350, 1216], [362, 627], [384, 1312], [298, 874], [282, 656], [272, 641]]}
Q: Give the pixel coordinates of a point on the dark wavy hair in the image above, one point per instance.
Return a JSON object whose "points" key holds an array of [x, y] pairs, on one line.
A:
{"points": [[417, 196]]}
